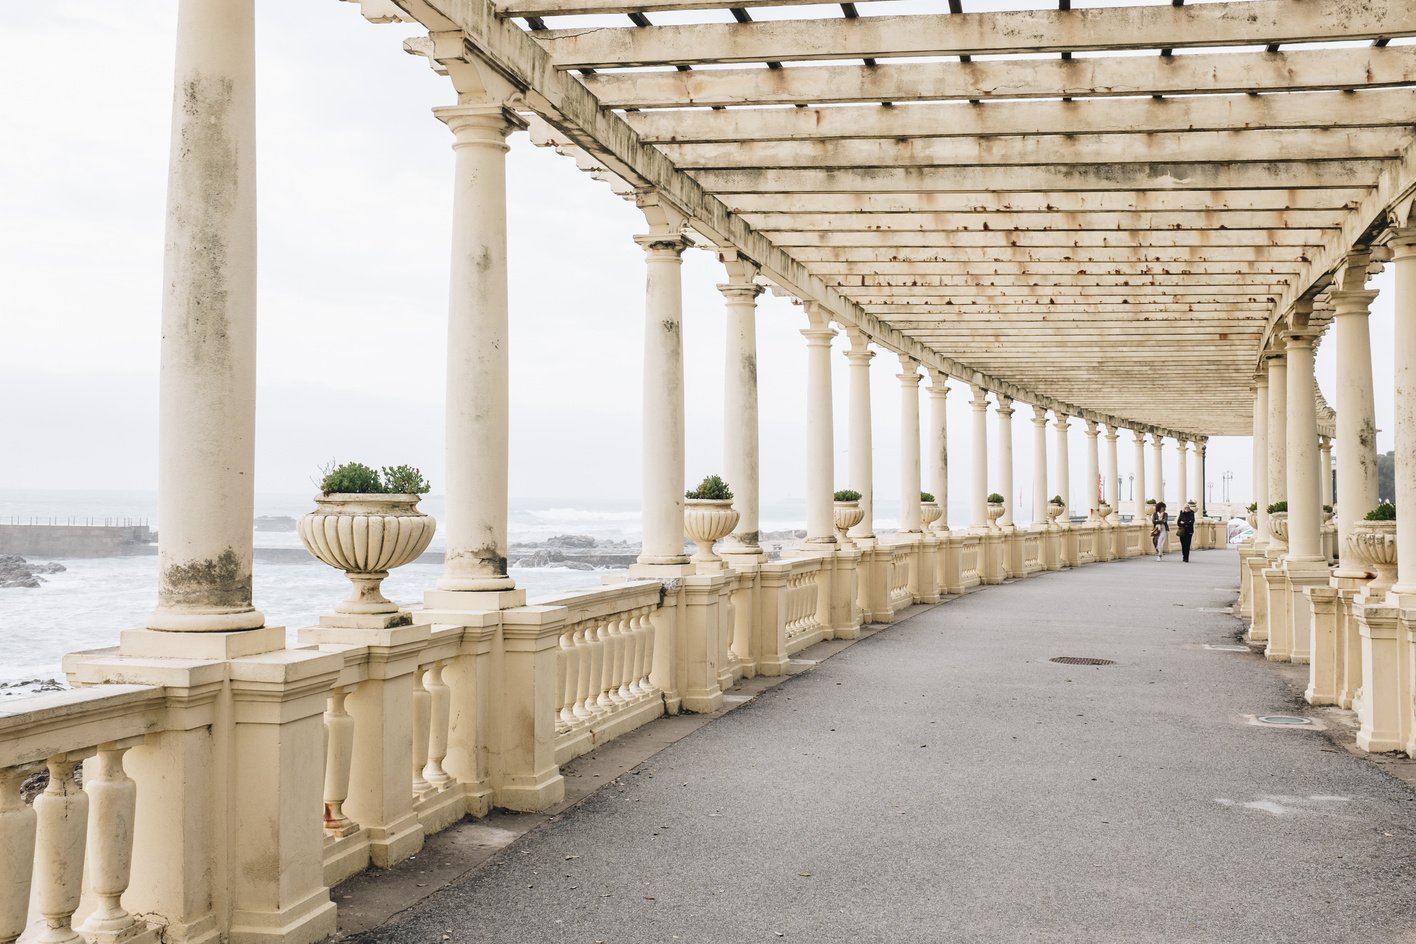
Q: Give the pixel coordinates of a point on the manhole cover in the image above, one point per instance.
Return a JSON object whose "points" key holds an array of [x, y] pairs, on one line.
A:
{"points": [[1080, 660], [1283, 719]]}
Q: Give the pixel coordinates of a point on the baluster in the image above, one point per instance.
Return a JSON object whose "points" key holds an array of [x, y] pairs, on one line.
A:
{"points": [[62, 814], [607, 665], [568, 666], [646, 663], [636, 654], [624, 634], [596, 654], [437, 736], [17, 828], [113, 801], [562, 673], [339, 755], [582, 673], [422, 719], [614, 649]]}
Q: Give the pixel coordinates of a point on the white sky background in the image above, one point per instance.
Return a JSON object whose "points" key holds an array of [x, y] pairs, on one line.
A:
{"points": [[355, 179]]}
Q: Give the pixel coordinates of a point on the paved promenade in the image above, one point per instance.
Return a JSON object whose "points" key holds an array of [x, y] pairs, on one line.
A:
{"points": [[942, 781]]}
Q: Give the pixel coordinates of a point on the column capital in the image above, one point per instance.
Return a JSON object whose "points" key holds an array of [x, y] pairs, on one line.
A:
{"points": [[1091, 428], [980, 397], [859, 352], [1401, 241], [1352, 301], [1299, 338], [938, 383], [740, 292], [1113, 433], [1039, 415], [1005, 405], [909, 371], [671, 243], [1061, 420], [479, 125]]}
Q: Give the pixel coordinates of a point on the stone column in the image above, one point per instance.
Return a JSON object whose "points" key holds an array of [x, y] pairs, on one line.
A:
{"points": [[1277, 428], [740, 436], [1261, 458], [1005, 459], [1092, 431], [662, 460], [1325, 470], [939, 445], [1183, 463], [1403, 247], [1199, 476], [1040, 496], [478, 369], [1064, 471], [207, 400], [1158, 466], [862, 470], [1113, 470], [910, 519], [1139, 492], [1304, 497], [1356, 411], [978, 493], [820, 452]]}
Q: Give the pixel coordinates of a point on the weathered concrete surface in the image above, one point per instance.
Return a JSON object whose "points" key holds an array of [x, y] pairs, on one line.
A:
{"points": [[942, 780]]}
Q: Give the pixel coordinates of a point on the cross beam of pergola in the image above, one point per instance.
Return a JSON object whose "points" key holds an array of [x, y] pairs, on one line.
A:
{"points": [[1108, 212]]}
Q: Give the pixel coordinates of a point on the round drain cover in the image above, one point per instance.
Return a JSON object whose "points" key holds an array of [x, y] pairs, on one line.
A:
{"points": [[1080, 660], [1283, 719]]}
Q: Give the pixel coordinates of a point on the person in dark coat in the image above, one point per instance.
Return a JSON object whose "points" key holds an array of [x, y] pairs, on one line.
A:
{"points": [[1185, 530]]}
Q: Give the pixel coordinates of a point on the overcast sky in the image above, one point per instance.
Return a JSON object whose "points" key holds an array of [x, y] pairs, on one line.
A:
{"points": [[354, 181]]}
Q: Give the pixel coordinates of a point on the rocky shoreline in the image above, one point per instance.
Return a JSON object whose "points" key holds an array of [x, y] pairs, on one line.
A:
{"points": [[15, 571], [583, 552]]}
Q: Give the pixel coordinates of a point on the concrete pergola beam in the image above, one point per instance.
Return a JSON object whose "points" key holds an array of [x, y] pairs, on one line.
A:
{"points": [[979, 81], [1062, 202], [1022, 32], [1006, 220], [1139, 242], [1367, 108]]}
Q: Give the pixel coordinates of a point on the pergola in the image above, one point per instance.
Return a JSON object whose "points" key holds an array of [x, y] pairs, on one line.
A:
{"points": [[1109, 212]]}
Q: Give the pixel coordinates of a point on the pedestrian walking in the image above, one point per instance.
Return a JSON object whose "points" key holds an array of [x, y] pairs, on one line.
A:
{"points": [[1185, 529], [1160, 530]]}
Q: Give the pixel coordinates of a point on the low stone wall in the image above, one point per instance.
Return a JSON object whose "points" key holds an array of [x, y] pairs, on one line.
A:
{"points": [[64, 540]]}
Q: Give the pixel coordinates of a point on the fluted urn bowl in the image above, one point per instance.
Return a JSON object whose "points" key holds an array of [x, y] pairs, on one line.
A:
{"points": [[846, 515], [366, 536], [1374, 544], [1054, 512], [707, 520], [928, 513], [1278, 525], [995, 511], [1253, 519], [1104, 511]]}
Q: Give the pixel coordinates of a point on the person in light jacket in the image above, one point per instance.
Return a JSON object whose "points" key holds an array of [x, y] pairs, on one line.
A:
{"points": [[1160, 530]]}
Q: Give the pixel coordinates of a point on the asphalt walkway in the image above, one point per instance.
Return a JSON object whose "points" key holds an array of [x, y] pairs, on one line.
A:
{"points": [[943, 781]]}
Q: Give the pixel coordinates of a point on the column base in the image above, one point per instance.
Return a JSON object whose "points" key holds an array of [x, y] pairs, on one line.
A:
{"points": [[200, 620], [216, 646], [524, 795]]}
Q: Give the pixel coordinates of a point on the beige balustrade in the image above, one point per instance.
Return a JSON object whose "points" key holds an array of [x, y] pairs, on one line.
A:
{"points": [[70, 833], [807, 603], [901, 564]]}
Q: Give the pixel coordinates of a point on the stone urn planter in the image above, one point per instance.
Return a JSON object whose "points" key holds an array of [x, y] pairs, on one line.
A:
{"points": [[366, 536], [995, 511], [1054, 512], [1278, 525], [928, 513], [846, 515], [1150, 512], [1374, 544], [706, 521], [1104, 511], [1253, 519]]}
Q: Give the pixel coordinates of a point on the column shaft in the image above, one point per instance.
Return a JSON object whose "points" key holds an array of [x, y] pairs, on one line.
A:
{"points": [[1356, 419], [663, 471], [820, 451], [478, 370], [978, 493], [1261, 458], [939, 445], [1404, 376], [740, 431], [1139, 492], [1183, 490], [1158, 467], [207, 399], [1064, 470], [910, 516], [1040, 496], [1093, 466], [1113, 470], [862, 471], [1304, 540], [1278, 429], [1005, 459], [1325, 469]]}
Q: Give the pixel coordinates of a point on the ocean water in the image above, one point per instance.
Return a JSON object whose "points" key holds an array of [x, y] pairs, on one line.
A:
{"points": [[95, 598]]}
